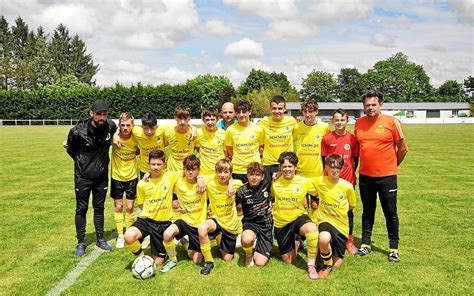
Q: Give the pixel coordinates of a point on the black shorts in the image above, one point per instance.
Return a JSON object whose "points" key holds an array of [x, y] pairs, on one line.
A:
{"points": [[192, 232], [228, 239], [286, 235], [270, 170], [241, 177], [264, 237], [338, 240], [118, 188], [155, 230]]}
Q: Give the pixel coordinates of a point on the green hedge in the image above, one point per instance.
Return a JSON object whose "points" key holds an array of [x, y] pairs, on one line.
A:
{"points": [[74, 101]]}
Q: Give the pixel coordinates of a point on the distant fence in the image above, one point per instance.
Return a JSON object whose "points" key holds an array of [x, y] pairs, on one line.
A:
{"points": [[198, 122]]}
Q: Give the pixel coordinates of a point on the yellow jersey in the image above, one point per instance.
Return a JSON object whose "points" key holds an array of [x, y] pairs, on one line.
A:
{"points": [[179, 147], [245, 142], [222, 206], [334, 203], [124, 160], [156, 196], [211, 149], [290, 197], [194, 204], [146, 144], [278, 138], [308, 148]]}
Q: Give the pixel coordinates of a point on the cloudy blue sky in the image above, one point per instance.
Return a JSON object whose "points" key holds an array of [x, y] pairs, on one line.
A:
{"points": [[157, 41]]}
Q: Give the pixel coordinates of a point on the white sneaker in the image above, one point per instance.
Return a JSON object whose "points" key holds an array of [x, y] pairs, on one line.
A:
{"points": [[120, 242], [146, 242]]}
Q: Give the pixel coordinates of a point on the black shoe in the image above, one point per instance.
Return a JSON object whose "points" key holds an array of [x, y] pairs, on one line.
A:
{"points": [[206, 269], [103, 245], [364, 250], [80, 250], [394, 257]]}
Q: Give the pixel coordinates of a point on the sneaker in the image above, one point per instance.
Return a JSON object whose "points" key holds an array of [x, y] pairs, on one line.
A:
{"points": [[325, 271], [120, 242], [393, 257], [146, 242], [364, 250], [80, 250], [350, 247], [249, 260], [206, 269], [170, 264], [312, 274], [103, 245]]}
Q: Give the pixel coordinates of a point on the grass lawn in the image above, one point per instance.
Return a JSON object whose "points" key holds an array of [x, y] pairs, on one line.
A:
{"points": [[436, 185]]}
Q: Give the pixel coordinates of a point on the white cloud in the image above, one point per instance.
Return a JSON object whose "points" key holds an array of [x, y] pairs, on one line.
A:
{"points": [[399, 20], [245, 48], [465, 8], [291, 29], [268, 9], [218, 28], [382, 40]]}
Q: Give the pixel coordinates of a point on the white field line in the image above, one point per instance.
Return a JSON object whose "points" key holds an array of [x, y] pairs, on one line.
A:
{"points": [[77, 271]]}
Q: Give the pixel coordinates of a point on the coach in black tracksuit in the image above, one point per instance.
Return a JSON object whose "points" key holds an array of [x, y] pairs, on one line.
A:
{"points": [[88, 144]]}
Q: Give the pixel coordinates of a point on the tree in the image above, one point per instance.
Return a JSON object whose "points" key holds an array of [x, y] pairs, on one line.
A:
{"points": [[209, 90], [60, 49], [259, 78], [398, 79], [451, 91], [81, 62], [319, 86], [5, 53], [350, 89], [19, 37]]}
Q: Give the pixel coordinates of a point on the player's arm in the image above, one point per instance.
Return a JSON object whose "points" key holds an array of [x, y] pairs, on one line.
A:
{"points": [[229, 152], [193, 134], [201, 184], [351, 197], [312, 193], [71, 144], [140, 197], [402, 150], [116, 139]]}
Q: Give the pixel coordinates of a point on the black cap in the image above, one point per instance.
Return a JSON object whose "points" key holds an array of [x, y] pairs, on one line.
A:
{"points": [[100, 105]]}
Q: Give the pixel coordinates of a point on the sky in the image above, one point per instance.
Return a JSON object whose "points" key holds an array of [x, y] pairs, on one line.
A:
{"points": [[171, 41]]}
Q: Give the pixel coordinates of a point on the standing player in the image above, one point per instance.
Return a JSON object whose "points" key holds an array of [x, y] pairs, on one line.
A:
{"points": [[192, 209], [244, 141], [154, 197], [124, 176], [336, 198], [210, 142], [224, 220], [228, 116], [343, 143], [289, 213], [255, 200], [178, 139], [382, 150], [88, 145], [278, 133], [308, 136]]}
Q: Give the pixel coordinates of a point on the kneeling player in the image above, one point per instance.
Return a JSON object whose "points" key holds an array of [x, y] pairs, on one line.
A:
{"points": [[289, 213], [254, 197], [336, 198], [154, 197], [192, 209], [224, 220]]}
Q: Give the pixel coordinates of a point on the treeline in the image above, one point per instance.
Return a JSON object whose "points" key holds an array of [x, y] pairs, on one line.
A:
{"points": [[49, 78], [30, 59]]}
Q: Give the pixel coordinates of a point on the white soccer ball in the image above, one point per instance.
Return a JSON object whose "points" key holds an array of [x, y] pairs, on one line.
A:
{"points": [[143, 267]]}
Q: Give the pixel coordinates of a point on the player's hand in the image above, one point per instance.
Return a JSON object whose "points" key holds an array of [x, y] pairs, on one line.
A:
{"points": [[116, 140], [181, 209], [65, 145], [201, 185], [209, 214], [276, 175], [314, 204], [193, 134], [230, 189], [146, 177]]}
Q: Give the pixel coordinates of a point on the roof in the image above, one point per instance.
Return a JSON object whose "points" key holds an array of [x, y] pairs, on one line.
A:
{"points": [[386, 106]]}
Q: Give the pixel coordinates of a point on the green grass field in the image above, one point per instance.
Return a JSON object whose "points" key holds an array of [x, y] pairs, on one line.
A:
{"points": [[436, 185]]}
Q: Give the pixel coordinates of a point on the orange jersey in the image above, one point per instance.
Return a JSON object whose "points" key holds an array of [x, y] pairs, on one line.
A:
{"points": [[377, 145]]}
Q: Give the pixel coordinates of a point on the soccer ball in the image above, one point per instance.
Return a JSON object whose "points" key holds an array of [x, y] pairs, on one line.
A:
{"points": [[143, 267]]}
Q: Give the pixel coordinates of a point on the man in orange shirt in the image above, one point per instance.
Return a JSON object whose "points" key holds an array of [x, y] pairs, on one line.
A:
{"points": [[382, 149]]}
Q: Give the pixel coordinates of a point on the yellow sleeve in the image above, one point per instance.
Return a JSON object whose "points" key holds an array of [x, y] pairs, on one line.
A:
{"points": [[261, 136], [140, 195], [311, 186], [351, 197], [228, 138]]}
